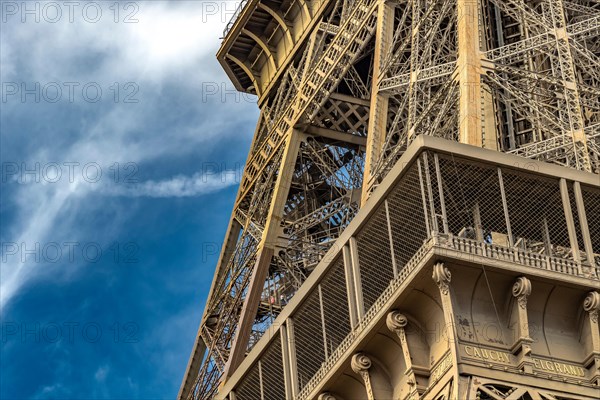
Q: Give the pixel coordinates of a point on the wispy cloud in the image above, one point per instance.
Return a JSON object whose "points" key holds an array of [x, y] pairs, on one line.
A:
{"points": [[101, 373], [171, 49], [161, 38], [170, 134], [179, 186]]}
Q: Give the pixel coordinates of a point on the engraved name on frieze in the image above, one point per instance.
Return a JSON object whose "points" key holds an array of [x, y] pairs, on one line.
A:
{"points": [[540, 364]]}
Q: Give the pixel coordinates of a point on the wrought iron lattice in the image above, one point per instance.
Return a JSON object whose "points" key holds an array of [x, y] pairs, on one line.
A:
{"points": [[471, 218], [344, 87]]}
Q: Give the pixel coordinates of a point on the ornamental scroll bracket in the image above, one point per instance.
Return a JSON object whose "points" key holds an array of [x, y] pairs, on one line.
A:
{"points": [[361, 364], [521, 290], [442, 276], [397, 322], [591, 305], [327, 396]]}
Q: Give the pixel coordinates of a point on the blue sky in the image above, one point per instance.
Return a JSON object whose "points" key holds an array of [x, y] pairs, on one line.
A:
{"points": [[113, 206]]}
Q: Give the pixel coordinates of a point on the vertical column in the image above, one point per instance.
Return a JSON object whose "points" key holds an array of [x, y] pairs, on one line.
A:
{"points": [[261, 381], [292, 353], [353, 283], [288, 355], [349, 275], [546, 237], [285, 358], [434, 223], [566, 70], [490, 131], [583, 223], [360, 304], [522, 345], [505, 207], [461, 389], [389, 226], [379, 102], [265, 253], [440, 184], [469, 73], [591, 305], [417, 30], [423, 197], [477, 222], [323, 325], [564, 194]]}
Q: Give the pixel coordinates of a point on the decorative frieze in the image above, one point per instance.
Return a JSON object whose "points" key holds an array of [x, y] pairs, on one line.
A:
{"points": [[491, 357], [487, 354], [440, 369]]}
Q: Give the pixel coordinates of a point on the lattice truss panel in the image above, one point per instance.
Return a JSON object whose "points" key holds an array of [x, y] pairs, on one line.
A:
{"points": [[326, 88], [503, 391], [538, 90], [476, 208], [395, 74]]}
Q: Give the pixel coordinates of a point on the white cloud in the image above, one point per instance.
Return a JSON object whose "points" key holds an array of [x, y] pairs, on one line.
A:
{"points": [[179, 186], [101, 373], [168, 37], [37, 213], [172, 44]]}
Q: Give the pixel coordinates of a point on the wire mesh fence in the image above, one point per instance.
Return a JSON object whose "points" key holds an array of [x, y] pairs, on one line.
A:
{"points": [[473, 200], [375, 260], [250, 386], [335, 306], [308, 338], [591, 200], [407, 218], [479, 208], [272, 371], [536, 214]]}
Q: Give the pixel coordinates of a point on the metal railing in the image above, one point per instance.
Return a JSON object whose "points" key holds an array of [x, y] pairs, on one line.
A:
{"points": [[431, 195], [518, 256], [441, 242], [468, 246], [234, 17]]}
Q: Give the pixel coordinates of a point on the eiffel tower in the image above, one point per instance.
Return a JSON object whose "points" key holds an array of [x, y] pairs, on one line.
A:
{"points": [[399, 140]]}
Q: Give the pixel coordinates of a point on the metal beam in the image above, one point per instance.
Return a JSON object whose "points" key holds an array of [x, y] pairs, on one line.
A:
{"points": [[583, 223], [281, 20], [265, 253], [263, 45], [564, 194], [248, 71], [379, 101], [469, 73], [335, 135]]}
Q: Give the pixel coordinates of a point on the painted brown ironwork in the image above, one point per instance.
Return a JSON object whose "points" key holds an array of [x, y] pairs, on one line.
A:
{"points": [[344, 88]]}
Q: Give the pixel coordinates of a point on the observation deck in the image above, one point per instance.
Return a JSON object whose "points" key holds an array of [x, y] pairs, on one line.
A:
{"points": [[471, 216], [263, 38]]}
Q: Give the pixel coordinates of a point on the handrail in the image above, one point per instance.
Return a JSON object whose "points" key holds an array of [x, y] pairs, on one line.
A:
{"points": [[234, 17]]}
